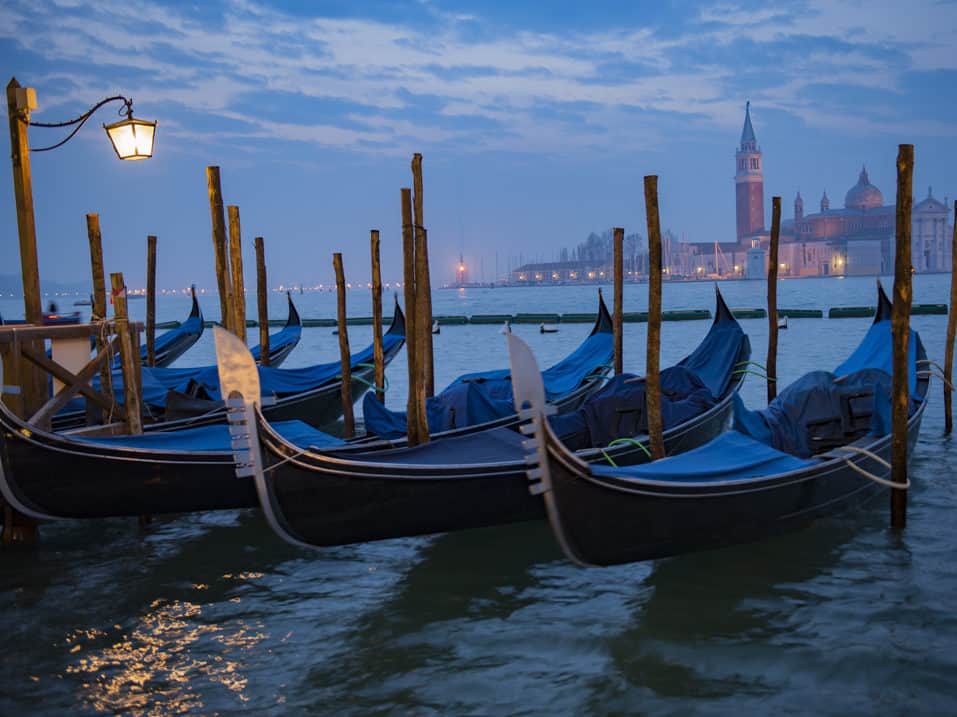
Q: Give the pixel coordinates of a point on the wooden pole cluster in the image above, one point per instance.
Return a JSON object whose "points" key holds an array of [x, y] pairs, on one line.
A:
{"points": [[652, 377], [261, 303], [423, 283], [378, 358], [129, 355], [618, 314], [951, 334], [151, 300], [236, 270], [33, 382], [417, 427], [900, 333], [772, 363], [99, 299], [345, 358], [218, 219]]}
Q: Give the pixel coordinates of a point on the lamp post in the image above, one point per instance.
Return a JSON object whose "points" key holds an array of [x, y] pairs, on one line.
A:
{"points": [[131, 139]]}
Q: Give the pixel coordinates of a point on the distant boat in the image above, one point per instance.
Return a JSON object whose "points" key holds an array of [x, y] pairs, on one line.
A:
{"points": [[783, 322], [83, 302], [547, 329], [436, 329], [507, 329]]}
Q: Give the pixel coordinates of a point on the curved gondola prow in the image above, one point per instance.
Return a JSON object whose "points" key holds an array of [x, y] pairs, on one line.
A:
{"points": [[397, 327], [603, 322], [195, 312], [528, 390], [294, 319], [885, 307], [721, 311]]}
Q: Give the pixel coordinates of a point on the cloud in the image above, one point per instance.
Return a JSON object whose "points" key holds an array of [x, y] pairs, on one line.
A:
{"points": [[227, 61]]}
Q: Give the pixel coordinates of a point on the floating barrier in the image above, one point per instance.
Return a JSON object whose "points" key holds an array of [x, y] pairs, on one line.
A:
{"points": [[750, 313], [489, 318], [801, 313], [451, 320], [168, 325], [928, 309], [579, 318], [536, 319], [851, 312]]}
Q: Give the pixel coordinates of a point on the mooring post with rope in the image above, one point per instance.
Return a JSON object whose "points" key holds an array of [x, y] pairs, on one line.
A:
{"points": [[900, 334], [772, 364], [618, 309], [348, 421], [951, 335], [378, 357], [652, 376]]}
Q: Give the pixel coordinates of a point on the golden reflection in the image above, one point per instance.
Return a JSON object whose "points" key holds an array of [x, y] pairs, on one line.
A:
{"points": [[160, 665]]}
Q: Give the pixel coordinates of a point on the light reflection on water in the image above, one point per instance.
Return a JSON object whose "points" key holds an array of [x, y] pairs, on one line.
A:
{"points": [[213, 614]]}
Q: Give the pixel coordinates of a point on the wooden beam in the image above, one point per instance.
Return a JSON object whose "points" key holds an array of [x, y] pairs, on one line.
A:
{"points": [[214, 187], [345, 356], [900, 333], [618, 306], [378, 358], [262, 305], [423, 284], [413, 420], [772, 363], [239, 282], [951, 334], [652, 376], [99, 302], [131, 397], [75, 383], [151, 300]]}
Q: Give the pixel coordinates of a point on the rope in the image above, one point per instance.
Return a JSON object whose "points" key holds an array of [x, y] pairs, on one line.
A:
{"points": [[942, 375], [868, 474], [292, 457], [752, 363], [755, 373], [632, 441], [369, 384]]}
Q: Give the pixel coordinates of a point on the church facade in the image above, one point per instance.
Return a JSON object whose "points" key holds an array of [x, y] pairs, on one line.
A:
{"points": [[856, 239]]}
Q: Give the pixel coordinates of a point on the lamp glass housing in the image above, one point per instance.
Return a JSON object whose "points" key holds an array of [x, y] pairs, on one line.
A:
{"points": [[132, 138]]}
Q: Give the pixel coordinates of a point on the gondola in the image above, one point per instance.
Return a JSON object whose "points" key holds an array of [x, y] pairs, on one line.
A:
{"points": [[172, 344], [337, 496], [475, 401], [283, 341], [820, 447]]}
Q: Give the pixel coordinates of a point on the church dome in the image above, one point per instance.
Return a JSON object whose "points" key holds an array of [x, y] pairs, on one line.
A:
{"points": [[863, 195]]}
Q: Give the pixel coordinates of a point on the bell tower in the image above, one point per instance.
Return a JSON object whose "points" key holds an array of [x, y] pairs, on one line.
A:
{"points": [[749, 182]]}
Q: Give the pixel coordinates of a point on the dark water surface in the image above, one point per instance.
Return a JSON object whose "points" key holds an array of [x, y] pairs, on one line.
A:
{"points": [[213, 614]]}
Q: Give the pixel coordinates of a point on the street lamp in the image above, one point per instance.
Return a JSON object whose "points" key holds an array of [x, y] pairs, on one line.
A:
{"points": [[131, 139]]}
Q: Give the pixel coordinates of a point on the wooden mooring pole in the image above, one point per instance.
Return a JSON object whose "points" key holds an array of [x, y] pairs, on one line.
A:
{"points": [[238, 286], [652, 377], [772, 363], [416, 420], [99, 301], [345, 358], [900, 332], [951, 334], [618, 312], [423, 284], [262, 304], [218, 219], [131, 398], [151, 300], [378, 358]]}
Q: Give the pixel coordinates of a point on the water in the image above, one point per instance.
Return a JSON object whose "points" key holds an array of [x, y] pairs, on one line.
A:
{"points": [[213, 614]]}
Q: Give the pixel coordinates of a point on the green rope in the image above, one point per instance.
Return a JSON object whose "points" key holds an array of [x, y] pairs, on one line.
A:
{"points": [[752, 363], [759, 375], [632, 441], [369, 384], [608, 458]]}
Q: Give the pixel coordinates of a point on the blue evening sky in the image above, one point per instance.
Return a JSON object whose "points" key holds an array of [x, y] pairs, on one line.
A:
{"points": [[536, 120]]}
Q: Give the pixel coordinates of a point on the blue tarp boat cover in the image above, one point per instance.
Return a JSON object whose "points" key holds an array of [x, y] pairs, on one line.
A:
{"points": [[476, 398], [876, 351], [730, 456], [285, 336], [214, 439], [496, 445], [203, 381]]}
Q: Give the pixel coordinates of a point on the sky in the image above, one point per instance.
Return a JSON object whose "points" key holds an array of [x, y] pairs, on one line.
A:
{"points": [[537, 122]]}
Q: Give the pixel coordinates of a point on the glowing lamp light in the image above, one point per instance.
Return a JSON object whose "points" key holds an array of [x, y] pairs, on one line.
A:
{"points": [[461, 268], [132, 138]]}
